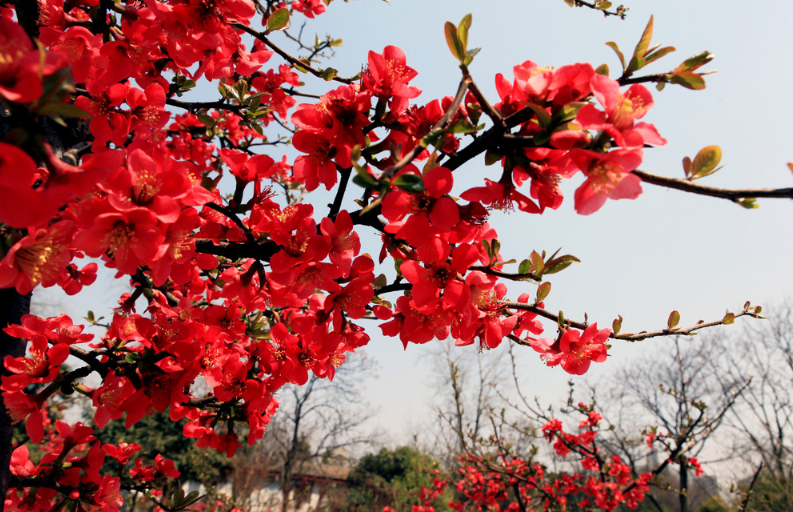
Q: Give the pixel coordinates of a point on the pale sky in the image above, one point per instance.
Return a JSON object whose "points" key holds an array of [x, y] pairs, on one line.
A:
{"points": [[641, 259]]}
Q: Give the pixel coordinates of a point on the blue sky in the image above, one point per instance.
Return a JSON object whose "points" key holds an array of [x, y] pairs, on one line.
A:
{"points": [[641, 259]]}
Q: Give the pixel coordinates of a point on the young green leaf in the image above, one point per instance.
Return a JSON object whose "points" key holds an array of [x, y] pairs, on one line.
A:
{"points": [[705, 162], [674, 319], [462, 31], [638, 60], [453, 41], [695, 62], [688, 80], [278, 20], [542, 291], [613, 46], [654, 56], [558, 264], [409, 182], [616, 325]]}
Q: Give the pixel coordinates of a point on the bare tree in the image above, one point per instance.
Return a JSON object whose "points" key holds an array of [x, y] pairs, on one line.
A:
{"points": [[764, 413], [684, 395], [467, 383], [315, 425]]}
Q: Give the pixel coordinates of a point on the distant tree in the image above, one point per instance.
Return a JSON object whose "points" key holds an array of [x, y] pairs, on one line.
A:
{"points": [[679, 392], [317, 423], [392, 478], [763, 416]]}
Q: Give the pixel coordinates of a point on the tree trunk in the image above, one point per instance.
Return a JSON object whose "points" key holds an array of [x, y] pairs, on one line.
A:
{"points": [[12, 307], [683, 483]]}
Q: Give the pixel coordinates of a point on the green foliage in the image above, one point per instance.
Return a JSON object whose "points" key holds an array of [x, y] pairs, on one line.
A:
{"points": [[391, 478], [771, 493], [157, 434]]}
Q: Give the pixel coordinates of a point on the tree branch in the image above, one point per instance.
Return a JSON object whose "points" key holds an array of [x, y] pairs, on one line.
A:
{"points": [[290, 59], [734, 195]]}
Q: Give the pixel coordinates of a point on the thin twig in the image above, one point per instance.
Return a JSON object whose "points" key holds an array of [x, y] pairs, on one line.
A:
{"points": [[734, 195], [295, 62]]}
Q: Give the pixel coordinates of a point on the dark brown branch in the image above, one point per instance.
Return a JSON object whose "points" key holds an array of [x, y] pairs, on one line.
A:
{"points": [[290, 59], [228, 212], [748, 495], [435, 131], [492, 138], [734, 195], [506, 275], [194, 105], [343, 181], [237, 250], [492, 113], [394, 287], [89, 358]]}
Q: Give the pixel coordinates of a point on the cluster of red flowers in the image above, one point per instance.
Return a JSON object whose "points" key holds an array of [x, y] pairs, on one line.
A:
{"points": [[71, 466], [246, 292], [509, 482]]}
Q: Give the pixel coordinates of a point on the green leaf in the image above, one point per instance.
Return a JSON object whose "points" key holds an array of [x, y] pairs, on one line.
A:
{"points": [[561, 319], [278, 20], [492, 156], [462, 31], [543, 117], [409, 182], [687, 167], [208, 120], [453, 41], [674, 319], [462, 125], [616, 325], [688, 80], [536, 260], [469, 56], [380, 281], [558, 264], [705, 162], [542, 291], [495, 246], [603, 69], [729, 318], [637, 61], [524, 267], [63, 109], [568, 112], [329, 74], [365, 183], [613, 46], [604, 5], [654, 56], [749, 203], [695, 62]]}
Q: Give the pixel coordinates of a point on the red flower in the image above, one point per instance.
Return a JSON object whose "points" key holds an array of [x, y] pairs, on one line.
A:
{"points": [[622, 110], [122, 452], [608, 176], [388, 76], [580, 349], [41, 366]]}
